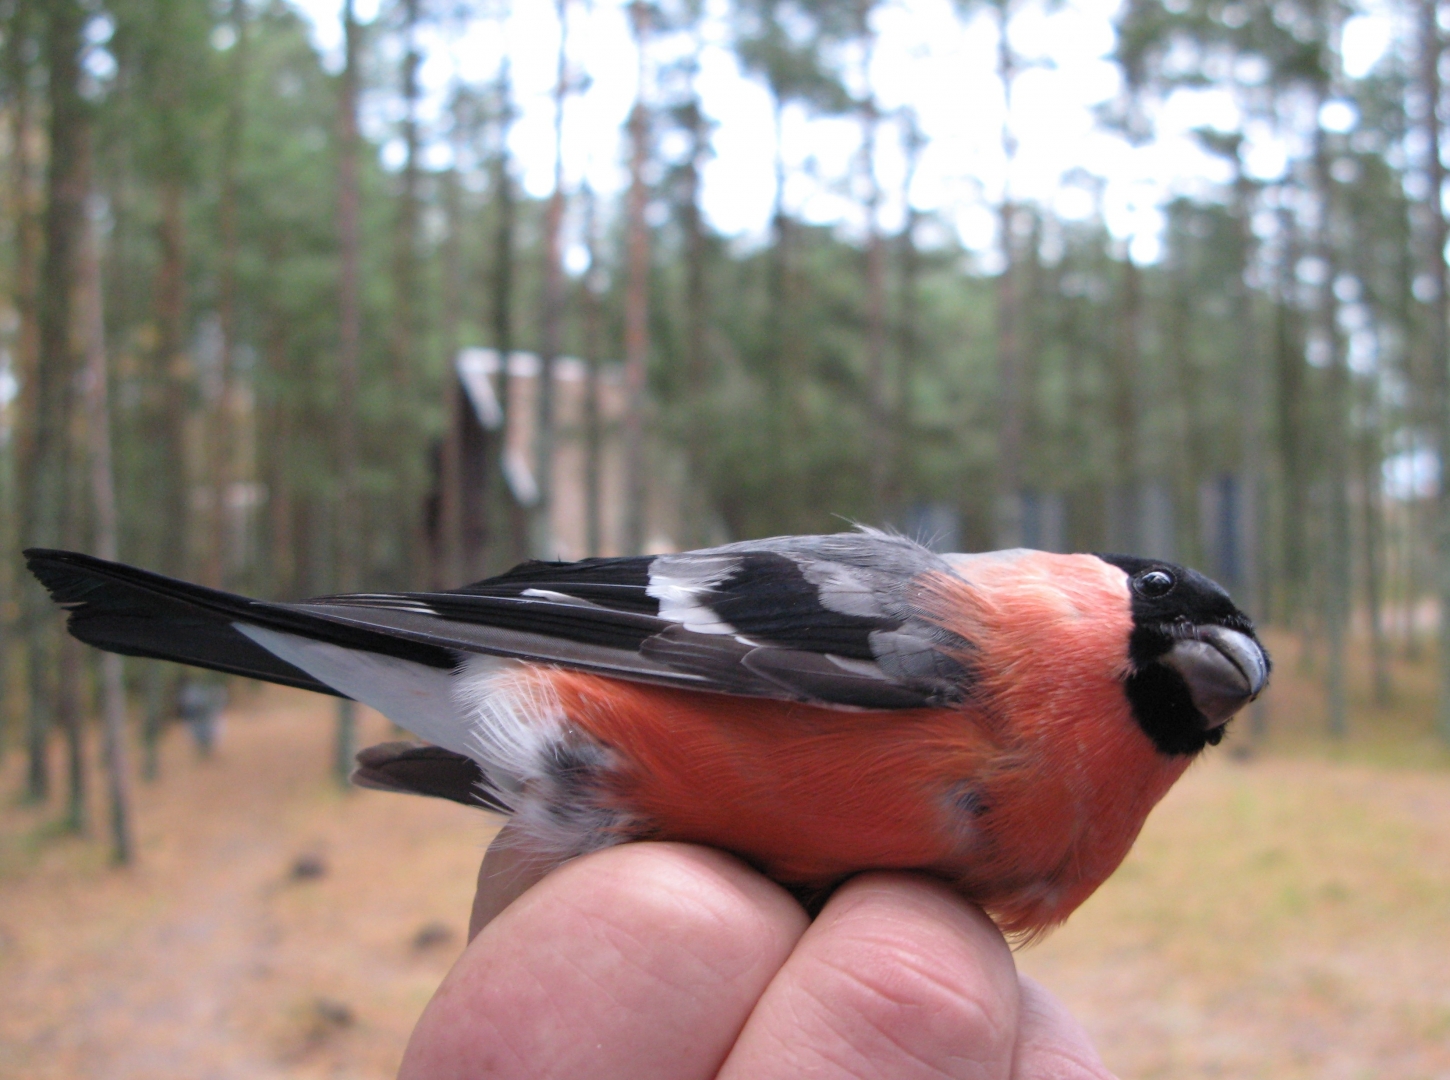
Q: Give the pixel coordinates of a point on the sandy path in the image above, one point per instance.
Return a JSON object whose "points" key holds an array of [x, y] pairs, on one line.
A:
{"points": [[209, 959]]}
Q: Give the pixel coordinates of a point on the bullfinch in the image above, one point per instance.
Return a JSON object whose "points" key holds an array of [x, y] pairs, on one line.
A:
{"points": [[816, 705]]}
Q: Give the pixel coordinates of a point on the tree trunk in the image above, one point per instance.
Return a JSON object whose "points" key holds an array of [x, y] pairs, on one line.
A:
{"points": [[1431, 50], [636, 303], [171, 369], [552, 310], [448, 560], [1190, 448], [1125, 525], [27, 225], [1011, 412], [68, 715], [221, 437], [908, 338], [19, 35], [517, 544], [71, 670], [281, 562], [349, 308], [881, 446], [779, 358], [103, 509], [9, 542], [1290, 425], [405, 250], [48, 488], [1251, 409], [1337, 591], [1371, 461], [697, 299], [593, 435], [407, 341]]}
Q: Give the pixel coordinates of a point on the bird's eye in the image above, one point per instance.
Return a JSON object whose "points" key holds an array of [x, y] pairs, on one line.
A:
{"points": [[1154, 583]]}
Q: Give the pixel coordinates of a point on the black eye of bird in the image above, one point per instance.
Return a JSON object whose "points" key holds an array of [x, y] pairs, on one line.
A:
{"points": [[1154, 583]]}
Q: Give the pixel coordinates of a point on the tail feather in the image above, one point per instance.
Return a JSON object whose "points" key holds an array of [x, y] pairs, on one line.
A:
{"points": [[420, 769], [127, 610]]}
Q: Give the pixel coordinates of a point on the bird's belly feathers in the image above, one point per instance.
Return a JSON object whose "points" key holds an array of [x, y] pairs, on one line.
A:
{"points": [[806, 793], [811, 795]]}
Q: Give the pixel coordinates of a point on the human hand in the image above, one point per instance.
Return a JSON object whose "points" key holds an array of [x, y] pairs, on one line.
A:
{"points": [[671, 961]]}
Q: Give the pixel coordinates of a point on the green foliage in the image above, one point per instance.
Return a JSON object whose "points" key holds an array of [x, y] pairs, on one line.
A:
{"points": [[783, 42]]}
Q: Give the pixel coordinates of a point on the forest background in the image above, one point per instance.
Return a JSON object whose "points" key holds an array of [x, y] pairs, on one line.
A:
{"points": [[238, 262]]}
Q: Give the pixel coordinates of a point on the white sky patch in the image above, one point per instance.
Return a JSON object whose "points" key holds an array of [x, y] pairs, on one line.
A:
{"points": [[1338, 116], [1363, 40], [1411, 474], [927, 59]]}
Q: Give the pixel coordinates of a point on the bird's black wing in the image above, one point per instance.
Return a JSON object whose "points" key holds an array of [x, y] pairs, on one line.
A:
{"points": [[825, 619]]}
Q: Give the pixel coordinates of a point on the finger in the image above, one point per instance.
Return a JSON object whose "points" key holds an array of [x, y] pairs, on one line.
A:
{"points": [[898, 977], [508, 871], [641, 961], [1051, 1044]]}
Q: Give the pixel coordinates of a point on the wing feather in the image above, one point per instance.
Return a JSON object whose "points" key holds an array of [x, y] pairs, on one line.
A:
{"points": [[829, 619]]}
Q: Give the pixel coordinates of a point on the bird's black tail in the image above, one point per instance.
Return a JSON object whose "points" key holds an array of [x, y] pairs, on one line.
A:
{"points": [[125, 610]]}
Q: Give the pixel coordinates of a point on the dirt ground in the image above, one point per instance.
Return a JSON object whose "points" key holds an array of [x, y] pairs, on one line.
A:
{"points": [[272, 927], [1282, 916]]}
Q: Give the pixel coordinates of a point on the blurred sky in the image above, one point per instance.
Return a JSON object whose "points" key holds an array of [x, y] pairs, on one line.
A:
{"points": [[927, 58]]}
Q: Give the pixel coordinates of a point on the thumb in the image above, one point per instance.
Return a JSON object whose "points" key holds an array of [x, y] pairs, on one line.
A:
{"points": [[509, 870]]}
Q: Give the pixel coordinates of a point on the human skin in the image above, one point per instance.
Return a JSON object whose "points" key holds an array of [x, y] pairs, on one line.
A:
{"points": [[675, 962]]}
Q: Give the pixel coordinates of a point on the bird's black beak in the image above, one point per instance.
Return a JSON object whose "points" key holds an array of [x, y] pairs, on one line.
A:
{"points": [[1224, 669]]}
